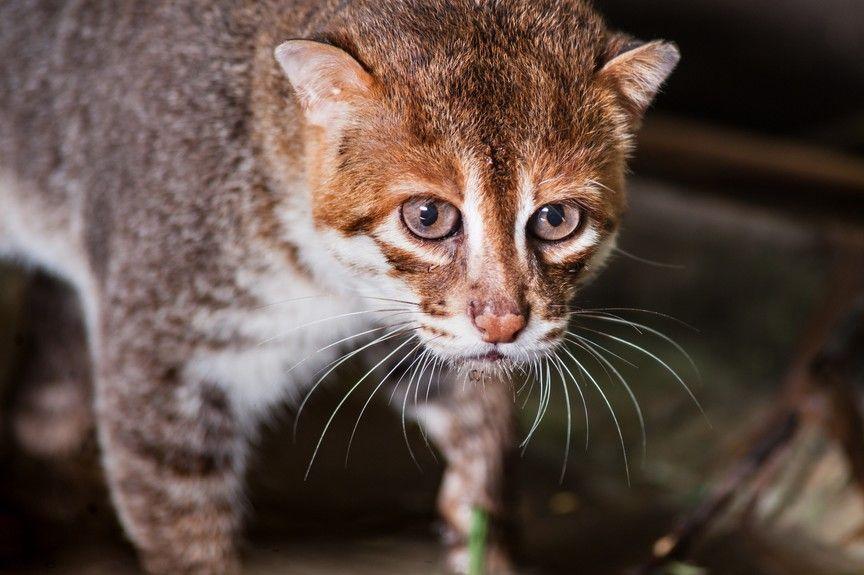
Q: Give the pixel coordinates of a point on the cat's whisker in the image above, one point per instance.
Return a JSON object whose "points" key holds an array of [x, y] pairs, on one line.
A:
{"points": [[327, 295], [429, 358], [345, 399], [584, 403], [603, 315], [658, 360], [390, 299], [608, 403], [545, 385], [645, 311], [343, 340], [524, 384], [427, 353], [646, 261], [415, 365], [289, 300], [535, 374], [619, 357], [380, 384], [405, 428], [436, 362], [336, 364], [439, 364], [569, 418], [588, 345], [649, 329], [332, 318]]}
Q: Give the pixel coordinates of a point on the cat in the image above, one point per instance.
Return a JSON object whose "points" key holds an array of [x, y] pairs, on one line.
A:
{"points": [[239, 191]]}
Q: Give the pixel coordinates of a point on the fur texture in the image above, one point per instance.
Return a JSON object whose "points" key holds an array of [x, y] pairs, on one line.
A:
{"points": [[227, 206]]}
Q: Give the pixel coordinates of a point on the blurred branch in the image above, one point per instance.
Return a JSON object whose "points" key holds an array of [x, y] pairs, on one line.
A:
{"points": [[755, 169], [819, 389]]}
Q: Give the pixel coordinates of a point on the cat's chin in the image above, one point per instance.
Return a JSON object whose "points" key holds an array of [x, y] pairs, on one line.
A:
{"points": [[489, 357], [491, 362]]}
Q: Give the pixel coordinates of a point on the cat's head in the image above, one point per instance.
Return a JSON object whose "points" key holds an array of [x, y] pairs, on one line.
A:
{"points": [[473, 162]]}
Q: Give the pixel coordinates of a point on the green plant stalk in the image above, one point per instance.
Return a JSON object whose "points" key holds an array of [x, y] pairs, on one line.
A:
{"points": [[477, 542]]}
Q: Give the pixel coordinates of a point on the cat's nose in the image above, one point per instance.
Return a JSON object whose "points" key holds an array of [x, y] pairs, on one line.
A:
{"points": [[497, 324]]}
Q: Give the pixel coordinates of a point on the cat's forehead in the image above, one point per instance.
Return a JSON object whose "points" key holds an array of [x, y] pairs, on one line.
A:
{"points": [[471, 66], [536, 108]]}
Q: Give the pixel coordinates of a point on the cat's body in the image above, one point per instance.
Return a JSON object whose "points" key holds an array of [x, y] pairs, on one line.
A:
{"points": [[97, 143], [220, 231]]}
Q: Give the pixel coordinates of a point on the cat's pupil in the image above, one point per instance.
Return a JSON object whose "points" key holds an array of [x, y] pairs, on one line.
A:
{"points": [[555, 215], [428, 214]]}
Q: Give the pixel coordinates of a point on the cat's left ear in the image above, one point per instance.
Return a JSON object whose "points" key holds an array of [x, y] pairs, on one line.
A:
{"points": [[639, 68], [328, 82]]}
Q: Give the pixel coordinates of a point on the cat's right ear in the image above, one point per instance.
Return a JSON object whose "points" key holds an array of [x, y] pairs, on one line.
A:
{"points": [[328, 82], [639, 68]]}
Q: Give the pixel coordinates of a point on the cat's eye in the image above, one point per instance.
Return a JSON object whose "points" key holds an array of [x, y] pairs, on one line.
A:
{"points": [[431, 219], [555, 222]]}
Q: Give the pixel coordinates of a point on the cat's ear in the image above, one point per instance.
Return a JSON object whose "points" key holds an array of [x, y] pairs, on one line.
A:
{"points": [[328, 81], [639, 68]]}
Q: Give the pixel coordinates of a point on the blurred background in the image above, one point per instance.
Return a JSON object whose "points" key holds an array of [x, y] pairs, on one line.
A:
{"points": [[746, 224]]}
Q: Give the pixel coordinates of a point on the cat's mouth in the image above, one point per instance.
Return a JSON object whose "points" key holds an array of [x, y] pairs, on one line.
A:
{"points": [[490, 357]]}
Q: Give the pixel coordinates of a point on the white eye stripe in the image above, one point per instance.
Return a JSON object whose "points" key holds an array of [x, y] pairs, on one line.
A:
{"points": [[587, 238], [393, 234], [526, 210], [472, 218]]}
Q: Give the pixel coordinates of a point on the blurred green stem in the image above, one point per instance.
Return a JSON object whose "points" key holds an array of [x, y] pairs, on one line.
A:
{"points": [[477, 542]]}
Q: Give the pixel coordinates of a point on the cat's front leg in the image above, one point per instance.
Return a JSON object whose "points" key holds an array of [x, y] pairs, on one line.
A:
{"points": [[173, 455], [474, 427]]}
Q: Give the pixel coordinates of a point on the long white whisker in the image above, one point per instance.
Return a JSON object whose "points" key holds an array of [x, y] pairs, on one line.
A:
{"points": [[524, 383], [404, 406], [331, 318], [388, 299], [646, 261], [405, 371], [587, 344], [374, 391], [432, 359], [645, 311], [609, 406], [343, 340], [584, 401], [429, 358], [606, 349], [659, 334], [545, 385], [658, 360], [319, 296], [533, 378], [342, 360], [414, 364], [593, 315], [438, 363], [345, 398], [569, 418]]}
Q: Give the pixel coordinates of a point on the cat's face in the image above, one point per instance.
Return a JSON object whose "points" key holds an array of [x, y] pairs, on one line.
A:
{"points": [[483, 190]]}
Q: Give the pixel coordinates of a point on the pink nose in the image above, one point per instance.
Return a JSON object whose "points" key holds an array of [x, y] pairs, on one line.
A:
{"points": [[496, 327]]}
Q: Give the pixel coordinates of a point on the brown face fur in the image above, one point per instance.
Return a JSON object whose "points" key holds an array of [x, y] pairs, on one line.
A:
{"points": [[498, 108]]}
